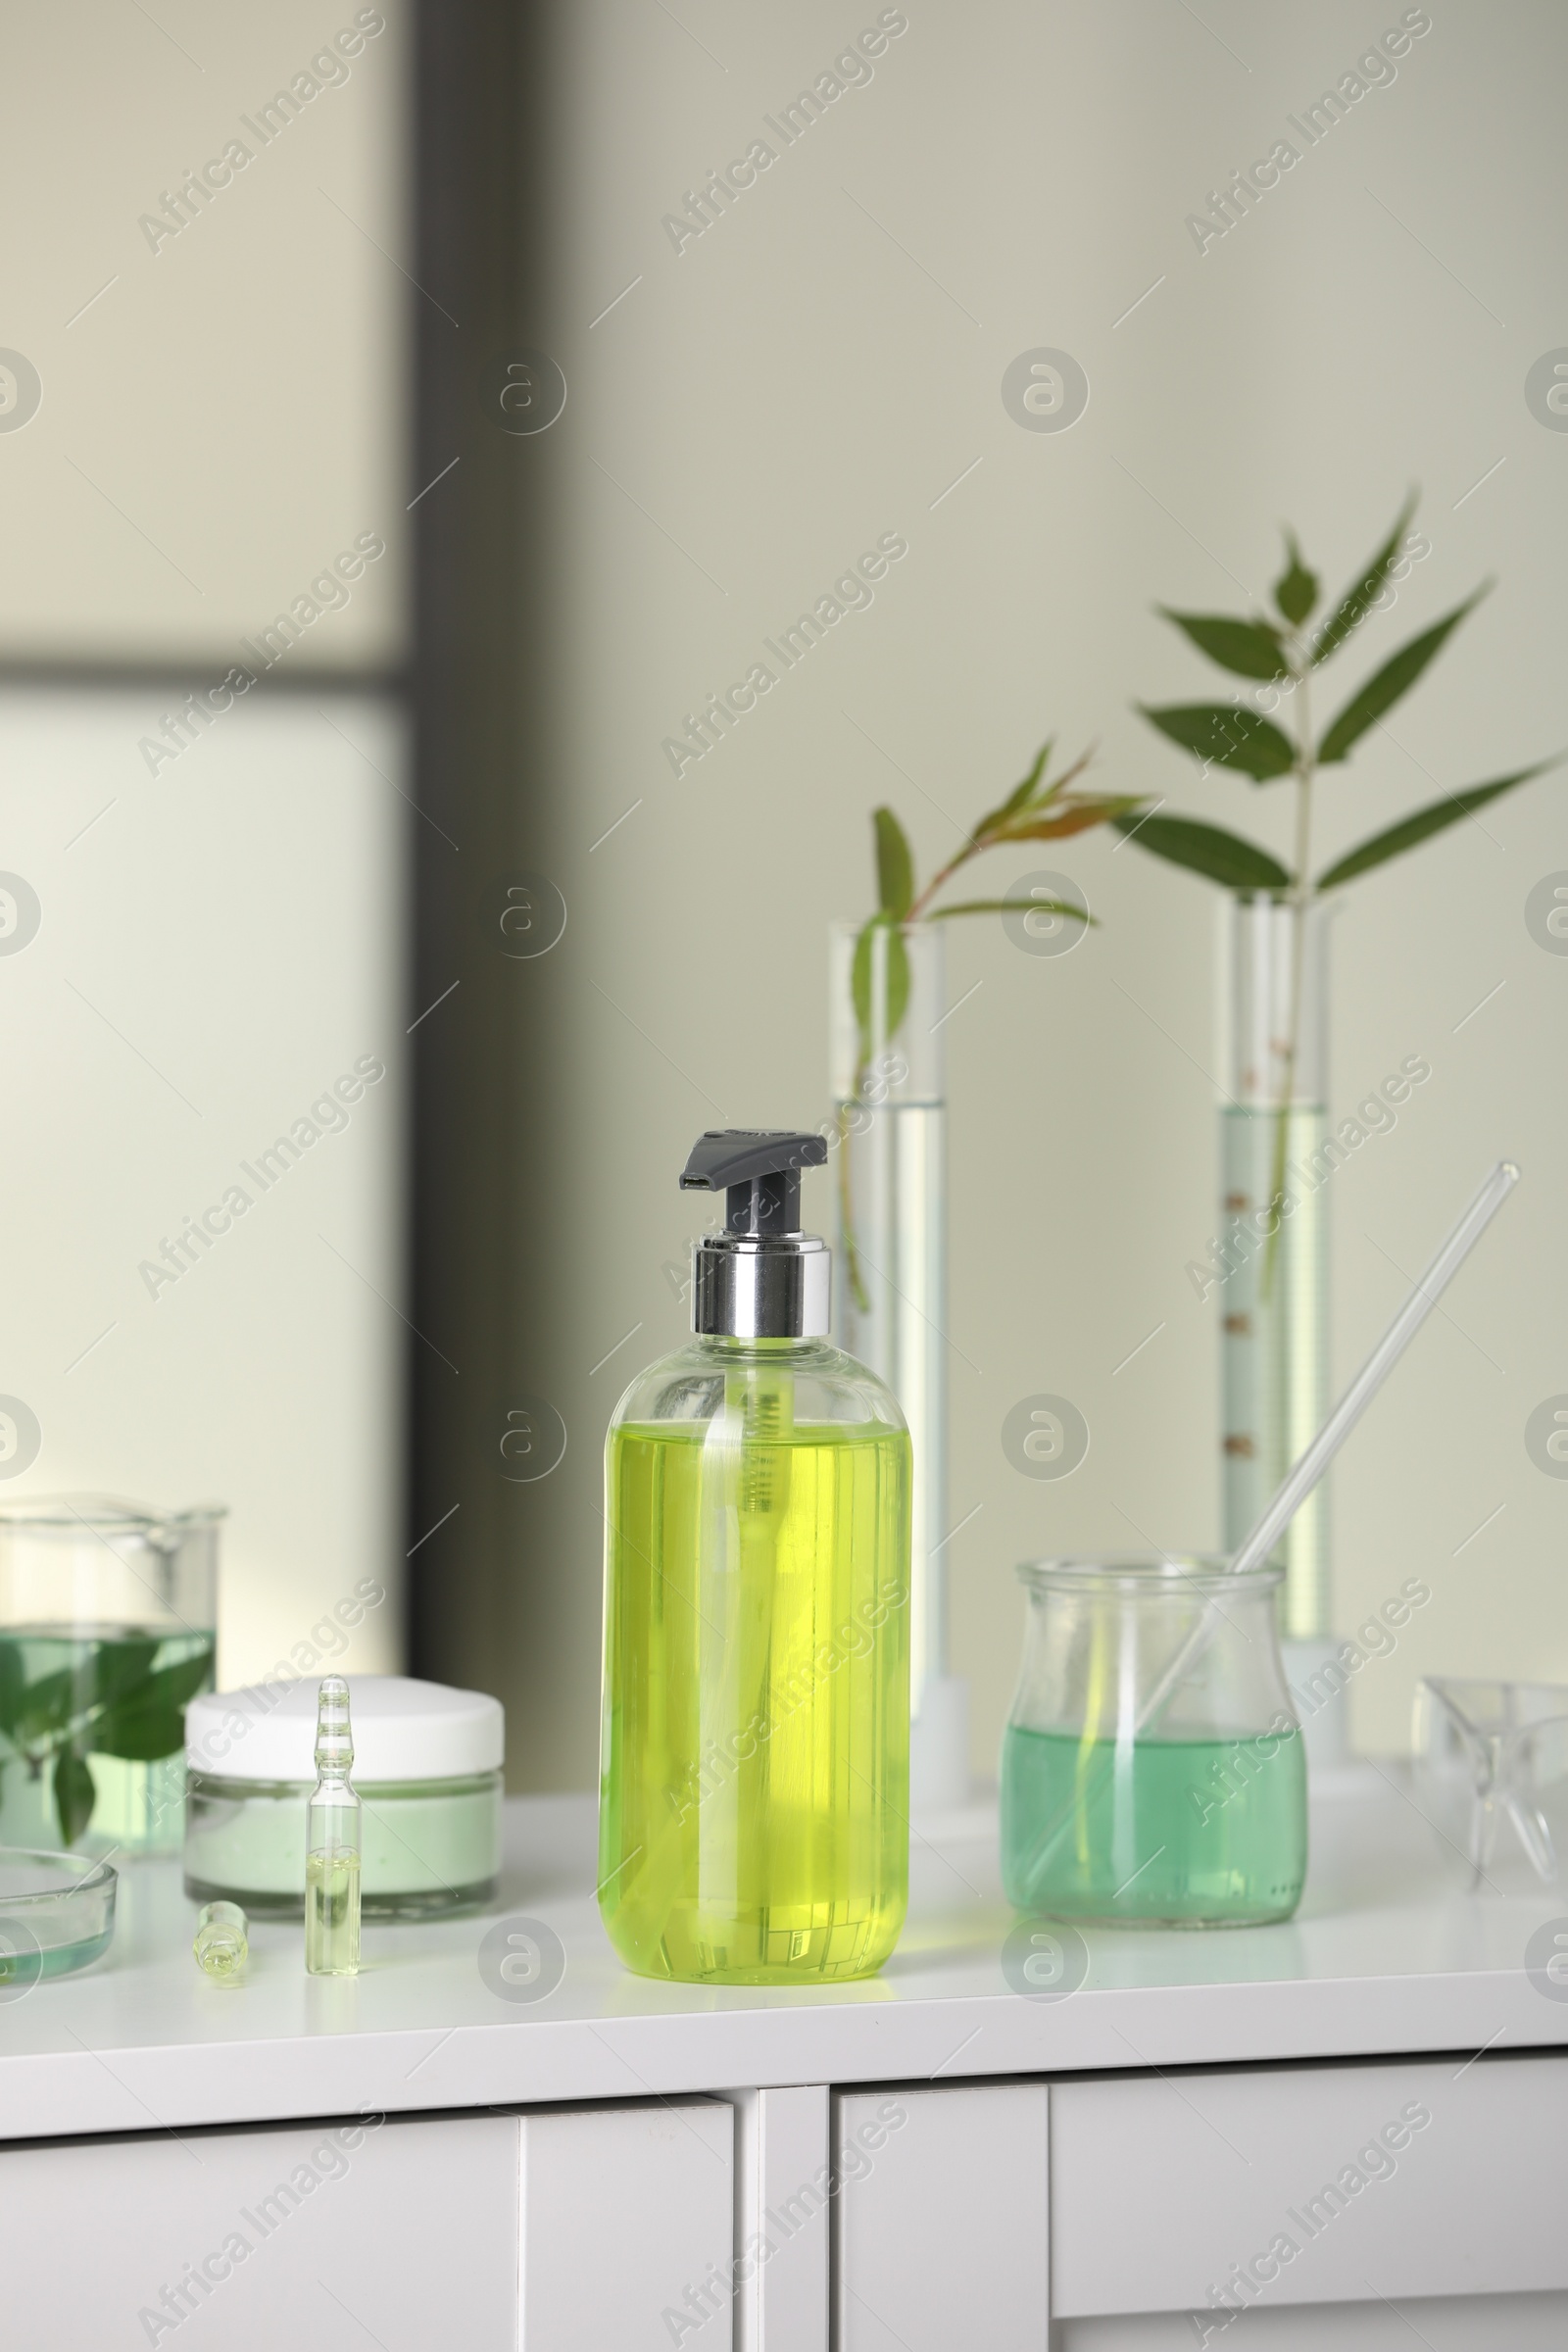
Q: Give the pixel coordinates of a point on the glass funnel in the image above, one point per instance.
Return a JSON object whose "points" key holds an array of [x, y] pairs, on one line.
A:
{"points": [[108, 1611], [1491, 1776], [1127, 1804]]}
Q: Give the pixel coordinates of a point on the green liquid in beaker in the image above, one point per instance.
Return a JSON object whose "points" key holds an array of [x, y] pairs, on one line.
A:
{"points": [[1153, 1831]]}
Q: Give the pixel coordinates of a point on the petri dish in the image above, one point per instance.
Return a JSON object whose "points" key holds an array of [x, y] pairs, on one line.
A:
{"points": [[54, 1916]]}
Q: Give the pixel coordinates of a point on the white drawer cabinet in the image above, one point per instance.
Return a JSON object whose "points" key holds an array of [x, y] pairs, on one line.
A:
{"points": [[1309, 2185], [566, 2230], [1145, 2211], [625, 2166]]}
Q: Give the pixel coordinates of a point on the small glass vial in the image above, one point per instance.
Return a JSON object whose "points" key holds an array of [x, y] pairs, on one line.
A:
{"points": [[221, 1941], [332, 1842]]}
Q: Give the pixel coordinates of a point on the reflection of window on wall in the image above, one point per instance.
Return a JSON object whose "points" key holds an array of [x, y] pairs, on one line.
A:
{"points": [[203, 499]]}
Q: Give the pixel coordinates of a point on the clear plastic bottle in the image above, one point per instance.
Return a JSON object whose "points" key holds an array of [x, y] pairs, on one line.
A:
{"points": [[755, 1774], [332, 1842]]}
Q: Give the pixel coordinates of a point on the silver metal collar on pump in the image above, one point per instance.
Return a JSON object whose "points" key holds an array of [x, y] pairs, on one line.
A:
{"points": [[762, 1287], [761, 1277]]}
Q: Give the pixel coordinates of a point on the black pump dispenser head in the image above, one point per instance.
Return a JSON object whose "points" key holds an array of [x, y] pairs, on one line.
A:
{"points": [[758, 1172], [762, 1277]]}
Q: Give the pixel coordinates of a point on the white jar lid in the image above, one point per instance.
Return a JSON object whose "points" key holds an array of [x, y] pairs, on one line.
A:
{"points": [[403, 1731]]}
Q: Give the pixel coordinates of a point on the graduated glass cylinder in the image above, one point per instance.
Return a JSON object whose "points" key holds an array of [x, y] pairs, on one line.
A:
{"points": [[889, 1079], [1271, 1252], [1124, 1811], [108, 1613]]}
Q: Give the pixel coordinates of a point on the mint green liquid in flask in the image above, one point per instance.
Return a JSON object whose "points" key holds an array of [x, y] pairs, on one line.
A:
{"points": [[755, 1757]]}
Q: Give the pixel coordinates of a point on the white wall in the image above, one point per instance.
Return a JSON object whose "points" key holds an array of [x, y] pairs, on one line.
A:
{"points": [[759, 406]]}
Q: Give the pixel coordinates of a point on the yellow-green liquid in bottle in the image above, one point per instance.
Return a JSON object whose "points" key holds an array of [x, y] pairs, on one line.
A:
{"points": [[755, 1798], [332, 1914]]}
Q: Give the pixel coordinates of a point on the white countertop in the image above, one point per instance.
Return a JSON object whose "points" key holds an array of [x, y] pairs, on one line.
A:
{"points": [[1388, 1953]]}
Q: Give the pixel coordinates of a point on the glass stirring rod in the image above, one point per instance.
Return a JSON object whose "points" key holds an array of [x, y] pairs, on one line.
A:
{"points": [[1316, 1458], [332, 1842]]}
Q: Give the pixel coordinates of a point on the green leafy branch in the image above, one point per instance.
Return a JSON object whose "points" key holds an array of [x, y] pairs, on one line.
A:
{"points": [[1285, 656], [1039, 808]]}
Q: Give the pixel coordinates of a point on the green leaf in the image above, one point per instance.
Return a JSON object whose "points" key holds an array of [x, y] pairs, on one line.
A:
{"points": [[1251, 648], [139, 1734], [1295, 589], [114, 1669], [1206, 850], [1357, 600], [74, 1794], [1018, 798], [13, 1683], [149, 1721], [895, 867], [1226, 736], [46, 1707], [861, 988], [1423, 824], [1011, 907], [1062, 817], [1385, 685], [898, 985]]}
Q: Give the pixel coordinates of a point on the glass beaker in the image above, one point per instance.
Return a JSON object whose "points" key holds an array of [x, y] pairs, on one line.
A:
{"points": [[1129, 1808], [108, 1612]]}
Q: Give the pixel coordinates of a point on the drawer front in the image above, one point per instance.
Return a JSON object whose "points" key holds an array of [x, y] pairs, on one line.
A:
{"points": [[589, 2230], [628, 2227], [1455, 2324], [1311, 2184], [243, 2241], [941, 2219]]}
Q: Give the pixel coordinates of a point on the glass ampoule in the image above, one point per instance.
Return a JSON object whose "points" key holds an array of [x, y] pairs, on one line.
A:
{"points": [[332, 1842]]}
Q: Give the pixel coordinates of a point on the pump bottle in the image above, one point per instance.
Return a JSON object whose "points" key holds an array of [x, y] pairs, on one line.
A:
{"points": [[755, 1767]]}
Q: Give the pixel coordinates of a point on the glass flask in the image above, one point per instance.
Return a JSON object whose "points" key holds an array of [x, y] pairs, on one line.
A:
{"points": [[108, 1612], [755, 1770], [1126, 1803]]}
